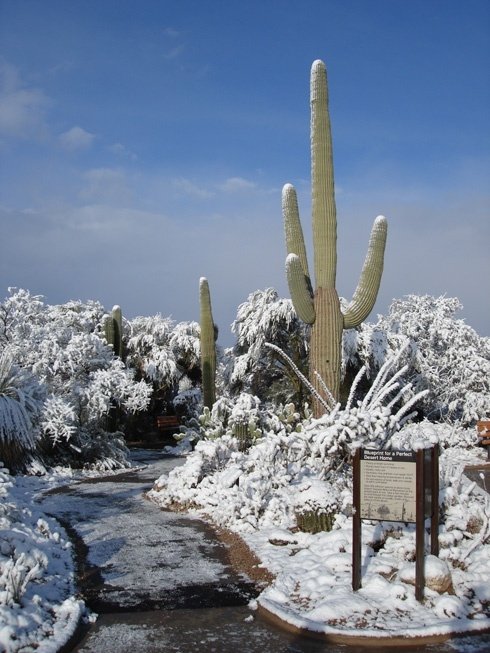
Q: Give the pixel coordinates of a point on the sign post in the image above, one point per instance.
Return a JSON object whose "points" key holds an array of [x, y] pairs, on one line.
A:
{"points": [[400, 486]]}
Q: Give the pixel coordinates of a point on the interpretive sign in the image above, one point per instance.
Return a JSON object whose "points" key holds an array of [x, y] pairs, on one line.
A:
{"points": [[400, 486], [388, 485]]}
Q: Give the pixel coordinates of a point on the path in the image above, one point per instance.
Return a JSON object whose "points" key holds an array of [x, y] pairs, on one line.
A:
{"points": [[160, 582], [134, 556]]}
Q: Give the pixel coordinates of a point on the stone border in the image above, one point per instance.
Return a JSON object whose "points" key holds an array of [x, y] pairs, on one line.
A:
{"points": [[365, 640]]}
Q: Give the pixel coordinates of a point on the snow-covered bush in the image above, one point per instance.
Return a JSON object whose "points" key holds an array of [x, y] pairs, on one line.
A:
{"points": [[271, 481], [37, 604], [451, 436], [445, 355], [244, 417], [263, 318], [21, 400], [165, 354], [78, 382], [465, 537], [148, 349]]}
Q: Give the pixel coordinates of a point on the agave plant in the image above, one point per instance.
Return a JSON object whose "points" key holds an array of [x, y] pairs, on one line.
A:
{"points": [[20, 403]]}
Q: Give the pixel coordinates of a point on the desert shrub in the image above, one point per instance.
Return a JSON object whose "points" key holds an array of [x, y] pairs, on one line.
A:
{"points": [[69, 381], [444, 355]]}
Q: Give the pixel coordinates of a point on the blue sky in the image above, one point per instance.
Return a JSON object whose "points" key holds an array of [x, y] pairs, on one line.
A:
{"points": [[144, 144]]}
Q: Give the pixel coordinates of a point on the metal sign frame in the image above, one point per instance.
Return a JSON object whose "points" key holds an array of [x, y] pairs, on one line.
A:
{"points": [[426, 505]]}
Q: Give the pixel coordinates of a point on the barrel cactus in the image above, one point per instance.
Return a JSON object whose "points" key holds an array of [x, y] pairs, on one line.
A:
{"points": [[208, 346], [320, 306]]}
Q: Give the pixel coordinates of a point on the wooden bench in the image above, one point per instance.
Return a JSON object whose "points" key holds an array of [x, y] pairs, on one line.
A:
{"points": [[483, 430], [168, 422]]}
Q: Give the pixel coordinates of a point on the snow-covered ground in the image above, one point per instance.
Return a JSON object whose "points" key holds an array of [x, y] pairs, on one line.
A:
{"points": [[255, 495], [135, 556], [38, 608], [258, 494]]}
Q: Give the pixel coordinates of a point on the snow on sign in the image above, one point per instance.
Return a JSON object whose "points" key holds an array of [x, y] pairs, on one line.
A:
{"points": [[388, 485]]}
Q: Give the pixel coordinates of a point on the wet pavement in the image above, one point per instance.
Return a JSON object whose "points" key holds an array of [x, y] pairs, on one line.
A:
{"points": [[160, 582], [131, 555]]}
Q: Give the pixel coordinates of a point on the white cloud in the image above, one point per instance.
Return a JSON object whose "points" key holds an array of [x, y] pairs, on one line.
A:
{"points": [[187, 187], [236, 184], [158, 235], [76, 138], [173, 53], [172, 32], [22, 109], [105, 184], [122, 151], [174, 49]]}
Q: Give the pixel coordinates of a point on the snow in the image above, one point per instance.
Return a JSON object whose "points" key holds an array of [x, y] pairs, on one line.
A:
{"points": [[312, 586], [261, 465], [37, 604], [154, 541], [254, 495]]}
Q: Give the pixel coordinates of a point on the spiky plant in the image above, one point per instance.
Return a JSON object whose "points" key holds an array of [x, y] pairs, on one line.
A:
{"points": [[320, 306], [20, 403], [208, 346]]}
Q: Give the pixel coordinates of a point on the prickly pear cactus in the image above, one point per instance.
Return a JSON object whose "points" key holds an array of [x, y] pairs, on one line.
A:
{"points": [[208, 346], [320, 306]]}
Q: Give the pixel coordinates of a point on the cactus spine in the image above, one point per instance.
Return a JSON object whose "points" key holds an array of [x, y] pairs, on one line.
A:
{"points": [[321, 307], [208, 347]]}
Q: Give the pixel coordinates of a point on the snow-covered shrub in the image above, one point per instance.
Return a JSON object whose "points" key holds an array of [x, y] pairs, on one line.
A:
{"points": [[148, 349], [466, 511], [76, 377], [167, 355], [100, 450], [451, 436], [244, 417], [162, 351], [21, 399], [317, 505], [58, 419], [263, 318], [37, 608], [445, 355], [271, 481]]}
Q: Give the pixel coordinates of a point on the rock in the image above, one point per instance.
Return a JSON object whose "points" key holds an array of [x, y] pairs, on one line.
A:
{"points": [[437, 575]]}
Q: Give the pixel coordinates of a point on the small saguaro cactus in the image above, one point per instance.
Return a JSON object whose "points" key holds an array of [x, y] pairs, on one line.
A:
{"points": [[208, 346], [321, 307], [113, 330]]}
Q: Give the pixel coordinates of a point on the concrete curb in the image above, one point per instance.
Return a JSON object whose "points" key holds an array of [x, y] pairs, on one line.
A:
{"points": [[377, 643]]}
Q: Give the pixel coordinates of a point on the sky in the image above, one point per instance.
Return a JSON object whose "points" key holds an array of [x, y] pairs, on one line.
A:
{"points": [[144, 144]]}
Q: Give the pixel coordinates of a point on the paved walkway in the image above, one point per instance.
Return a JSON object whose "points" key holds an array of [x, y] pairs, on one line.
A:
{"points": [[161, 583]]}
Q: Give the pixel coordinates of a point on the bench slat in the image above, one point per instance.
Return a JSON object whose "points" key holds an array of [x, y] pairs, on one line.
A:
{"points": [[167, 422]]}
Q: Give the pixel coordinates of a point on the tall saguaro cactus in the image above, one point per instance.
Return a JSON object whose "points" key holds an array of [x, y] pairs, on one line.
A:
{"points": [[320, 306], [208, 346], [113, 330]]}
